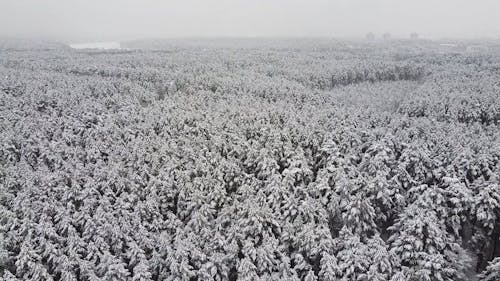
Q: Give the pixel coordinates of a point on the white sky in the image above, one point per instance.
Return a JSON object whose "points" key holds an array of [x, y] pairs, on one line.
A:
{"points": [[96, 20]]}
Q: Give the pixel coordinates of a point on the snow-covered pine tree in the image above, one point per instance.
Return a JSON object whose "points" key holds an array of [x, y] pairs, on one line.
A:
{"points": [[492, 271]]}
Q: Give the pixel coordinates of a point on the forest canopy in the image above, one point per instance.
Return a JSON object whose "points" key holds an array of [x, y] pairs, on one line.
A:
{"points": [[324, 160]]}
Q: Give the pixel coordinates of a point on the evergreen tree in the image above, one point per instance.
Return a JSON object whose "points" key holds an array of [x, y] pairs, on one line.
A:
{"points": [[492, 271], [424, 246]]}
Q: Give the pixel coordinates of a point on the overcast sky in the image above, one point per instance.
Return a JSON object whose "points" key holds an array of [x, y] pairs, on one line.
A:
{"points": [[98, 20]]}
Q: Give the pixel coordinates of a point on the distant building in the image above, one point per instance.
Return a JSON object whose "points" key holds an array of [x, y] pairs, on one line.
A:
{"points": [[370, 36], [386, 36], [414, 36], [450, 47], [476, 48]]}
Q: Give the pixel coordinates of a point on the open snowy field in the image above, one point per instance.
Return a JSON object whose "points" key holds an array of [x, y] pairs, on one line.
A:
{"points": [[250, 160]]}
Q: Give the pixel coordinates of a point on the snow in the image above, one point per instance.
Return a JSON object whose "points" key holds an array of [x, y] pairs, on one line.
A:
{"points": [[227, 161], [97, 45]]}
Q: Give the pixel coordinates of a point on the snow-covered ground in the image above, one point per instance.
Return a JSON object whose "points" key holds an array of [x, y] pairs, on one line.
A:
{"points": [[97, 45]]}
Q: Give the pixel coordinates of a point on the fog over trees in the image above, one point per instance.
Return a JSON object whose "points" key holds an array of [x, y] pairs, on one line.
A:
{"points": [[94, 20]]}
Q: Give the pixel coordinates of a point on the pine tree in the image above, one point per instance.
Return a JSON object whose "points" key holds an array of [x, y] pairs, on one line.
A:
{"points": [[424, 246], [358, 260], [384, 263], [310, 276], [8, 276], [492, 271], [247, 270], [329, 267], [142, 272]]}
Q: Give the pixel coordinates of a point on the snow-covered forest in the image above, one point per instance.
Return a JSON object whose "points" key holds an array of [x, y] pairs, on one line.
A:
{"points": [[250, 160]]}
